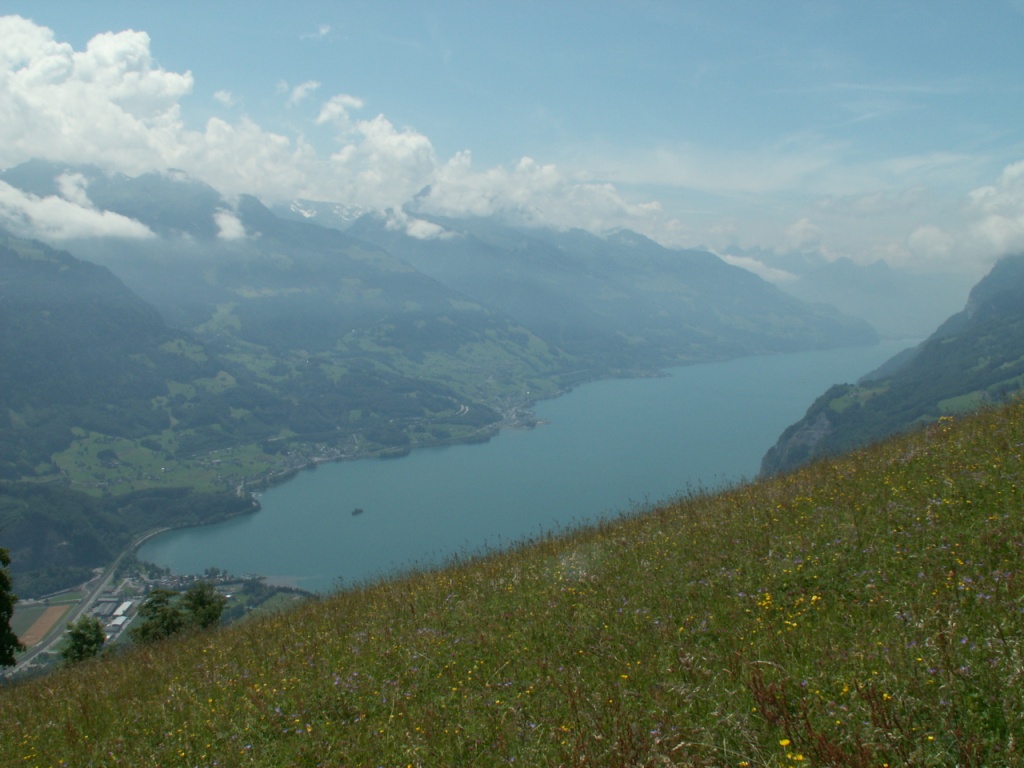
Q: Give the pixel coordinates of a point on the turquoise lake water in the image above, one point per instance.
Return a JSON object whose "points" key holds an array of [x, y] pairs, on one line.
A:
{"points": [[608, 447]]}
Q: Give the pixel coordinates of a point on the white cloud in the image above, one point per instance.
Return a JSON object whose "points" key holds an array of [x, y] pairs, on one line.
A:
{"points": [[321, 32], [759, 268], [534, 194], [56, 218], [300, 92], [108, 103], [931, 244], [229, 226], [336, 111], [72, 187], [419, 228], [803, 235], [113, 106], [999, 211], [386, 165], [225, 98]]}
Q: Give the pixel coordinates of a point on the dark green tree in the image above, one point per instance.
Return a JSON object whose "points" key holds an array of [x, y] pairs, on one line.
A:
{"points": [[198, 608], [160, 617], [202, 604], [84, 639], [9, 643]]}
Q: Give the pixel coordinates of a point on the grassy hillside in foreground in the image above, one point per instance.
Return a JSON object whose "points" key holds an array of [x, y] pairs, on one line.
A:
{"points": [[861, 612]]}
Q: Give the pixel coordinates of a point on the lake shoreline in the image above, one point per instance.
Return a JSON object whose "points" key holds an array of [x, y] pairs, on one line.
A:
{"points": [[519, 417], [616, 445]]}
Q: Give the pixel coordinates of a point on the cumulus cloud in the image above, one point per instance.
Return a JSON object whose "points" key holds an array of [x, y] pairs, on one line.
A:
{"points": [[533, 193], [421, 229], [225, 98], [111, 105], [229, 226], [57, 218], [108, 103], [336, 109], [999, 211], [389, 165], [300, 92], [803, 235]]}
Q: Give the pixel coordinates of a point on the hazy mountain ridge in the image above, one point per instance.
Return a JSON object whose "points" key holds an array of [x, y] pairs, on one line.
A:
{"points": [[976, 356], [603, 304], [898, 302], [646, 304]]}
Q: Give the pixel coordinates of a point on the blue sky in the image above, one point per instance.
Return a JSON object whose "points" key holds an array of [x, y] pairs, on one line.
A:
{"points": [[868, 130]]}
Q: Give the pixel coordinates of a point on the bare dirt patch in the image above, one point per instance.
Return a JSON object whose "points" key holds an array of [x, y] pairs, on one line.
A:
{"points": [[43, 624]]}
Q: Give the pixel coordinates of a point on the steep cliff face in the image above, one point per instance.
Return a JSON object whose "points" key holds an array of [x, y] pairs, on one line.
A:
{"points": [[798, 443], [975, 357]]}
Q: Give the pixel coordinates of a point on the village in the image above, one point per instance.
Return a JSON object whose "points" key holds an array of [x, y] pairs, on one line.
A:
{"points": [[115, 595]]}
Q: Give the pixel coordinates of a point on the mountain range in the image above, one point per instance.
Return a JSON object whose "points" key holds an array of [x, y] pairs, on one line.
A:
{"points": [[897, 301], [973, 358], [233, 345]]}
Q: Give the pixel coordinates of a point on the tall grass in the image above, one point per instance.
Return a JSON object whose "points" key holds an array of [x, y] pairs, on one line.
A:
{"points": [[865, 611]]}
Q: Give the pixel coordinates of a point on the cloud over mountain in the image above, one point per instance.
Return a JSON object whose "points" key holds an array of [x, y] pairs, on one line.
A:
{"points": [[1000, 209], [59, 218], [114, 106]]}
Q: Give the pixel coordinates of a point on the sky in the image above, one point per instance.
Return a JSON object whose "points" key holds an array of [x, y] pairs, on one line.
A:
{"points": [[876, 129]]}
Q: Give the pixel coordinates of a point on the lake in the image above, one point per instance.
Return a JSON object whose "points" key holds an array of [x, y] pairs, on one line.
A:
{"points": [[608, 447]]}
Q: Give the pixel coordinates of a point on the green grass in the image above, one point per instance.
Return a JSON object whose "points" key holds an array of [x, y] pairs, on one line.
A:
{"points": [[865, 611], [855, 397], [962, 404]]}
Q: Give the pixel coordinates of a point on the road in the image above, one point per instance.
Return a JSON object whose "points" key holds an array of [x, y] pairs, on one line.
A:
{"points": [[99, 585]]}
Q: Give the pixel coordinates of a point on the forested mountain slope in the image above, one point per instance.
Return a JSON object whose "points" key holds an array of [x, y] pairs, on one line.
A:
{"points": [[85, 361], [975, 357]]}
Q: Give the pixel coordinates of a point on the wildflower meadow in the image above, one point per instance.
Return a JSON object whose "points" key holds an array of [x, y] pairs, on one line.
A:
{"points": [[866, 610]]}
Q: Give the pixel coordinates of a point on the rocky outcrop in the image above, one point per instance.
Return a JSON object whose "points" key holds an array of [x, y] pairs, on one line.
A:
{"points": [[799, 443]]}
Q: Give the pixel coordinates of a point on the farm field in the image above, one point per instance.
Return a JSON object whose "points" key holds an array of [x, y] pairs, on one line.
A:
{"points": [[32, 623]]}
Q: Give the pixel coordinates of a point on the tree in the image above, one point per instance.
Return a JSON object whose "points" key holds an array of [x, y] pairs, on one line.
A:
{"points": [[84, 640], [9, 643], [200, 607], [203, 605], [161, 618]]}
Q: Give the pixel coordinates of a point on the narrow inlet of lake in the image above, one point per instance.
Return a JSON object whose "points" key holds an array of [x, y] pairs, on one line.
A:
{"points": [[609, 446]]}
